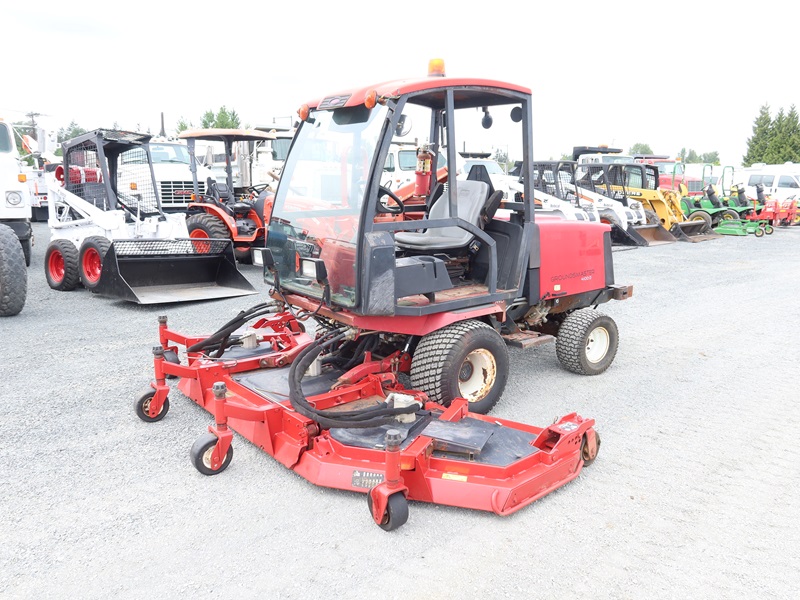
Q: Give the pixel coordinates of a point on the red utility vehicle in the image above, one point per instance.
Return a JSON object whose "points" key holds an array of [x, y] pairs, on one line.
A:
{"points": [[432, 299]]}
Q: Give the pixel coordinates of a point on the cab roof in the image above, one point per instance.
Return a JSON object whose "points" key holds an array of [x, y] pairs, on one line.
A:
{"points": [[235, 135], [468, 92]]}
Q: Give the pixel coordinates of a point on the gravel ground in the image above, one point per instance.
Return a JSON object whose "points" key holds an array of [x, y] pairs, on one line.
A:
{"points": [[694, 493]]}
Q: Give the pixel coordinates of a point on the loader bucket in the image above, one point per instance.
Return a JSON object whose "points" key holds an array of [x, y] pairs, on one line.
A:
{"points": [[626, 237], [164, 271], [653, 235], [693, 231]]}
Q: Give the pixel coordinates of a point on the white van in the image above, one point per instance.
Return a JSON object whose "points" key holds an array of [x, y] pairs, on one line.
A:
{"points": [[779, 181]]}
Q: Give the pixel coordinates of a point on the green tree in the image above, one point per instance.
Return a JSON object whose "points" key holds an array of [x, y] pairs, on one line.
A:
{"points": [[783, 140], [758, 142], [640, 148], [222, 119], [72, 130], [711, 158], [691, 157], [183, 125]]}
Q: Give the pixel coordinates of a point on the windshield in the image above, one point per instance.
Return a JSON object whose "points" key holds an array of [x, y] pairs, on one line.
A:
{"points": [[169, 153], [319, 198], [668, 168], [6, 143]]}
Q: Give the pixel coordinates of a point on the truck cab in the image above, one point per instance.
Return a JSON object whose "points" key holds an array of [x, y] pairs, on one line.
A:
{"points": [[171, 167], [781, 182], [15, 196]]}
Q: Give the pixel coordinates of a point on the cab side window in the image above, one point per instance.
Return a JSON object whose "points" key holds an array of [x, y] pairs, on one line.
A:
{"points": [[787, 181], [768, 180], [754, 180]]}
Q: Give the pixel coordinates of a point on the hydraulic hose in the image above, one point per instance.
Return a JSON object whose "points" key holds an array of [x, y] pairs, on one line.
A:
{"points": [[370, 417], [224, 332]]}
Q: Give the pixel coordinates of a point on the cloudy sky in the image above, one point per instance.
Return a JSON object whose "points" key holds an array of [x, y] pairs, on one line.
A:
{"points": [[669, 74]]}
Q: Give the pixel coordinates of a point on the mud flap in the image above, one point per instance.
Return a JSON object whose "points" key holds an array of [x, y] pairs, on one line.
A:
{"points": [[165, 271], [693, 231]]}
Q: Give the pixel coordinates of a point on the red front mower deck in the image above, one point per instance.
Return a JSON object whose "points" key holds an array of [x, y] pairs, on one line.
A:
{"points": [[430, 453]]}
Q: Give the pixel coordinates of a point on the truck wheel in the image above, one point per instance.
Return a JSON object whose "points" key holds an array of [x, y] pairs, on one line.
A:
{"points": [[467, 360], [587, 341], [203, 226], [93, 253], [13, 274], [61, 265]]}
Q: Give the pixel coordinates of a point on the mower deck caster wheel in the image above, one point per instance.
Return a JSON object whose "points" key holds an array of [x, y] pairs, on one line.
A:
{"points": [[585, 452], [201, 455], [759, 232], [396, 513], [768, 229], [142, 407], [171, 357]]}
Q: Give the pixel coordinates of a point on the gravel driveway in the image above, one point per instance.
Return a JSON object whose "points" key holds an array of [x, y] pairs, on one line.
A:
{"points": [[694, 493]]}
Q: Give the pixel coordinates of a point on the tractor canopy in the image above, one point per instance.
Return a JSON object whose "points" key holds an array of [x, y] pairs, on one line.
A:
{"points": [[337, 235]]}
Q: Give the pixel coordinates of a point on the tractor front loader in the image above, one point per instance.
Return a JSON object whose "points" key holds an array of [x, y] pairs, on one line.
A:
{"points": [[109, 234]]}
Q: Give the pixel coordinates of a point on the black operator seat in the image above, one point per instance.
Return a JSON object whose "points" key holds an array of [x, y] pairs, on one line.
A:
{"points": [[474, 206]]}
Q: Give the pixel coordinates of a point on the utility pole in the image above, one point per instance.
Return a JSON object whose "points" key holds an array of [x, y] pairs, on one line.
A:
{"points": [[32, 116]]}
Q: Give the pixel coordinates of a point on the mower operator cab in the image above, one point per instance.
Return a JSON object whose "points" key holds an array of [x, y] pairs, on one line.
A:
{"points": [[330, 237]]}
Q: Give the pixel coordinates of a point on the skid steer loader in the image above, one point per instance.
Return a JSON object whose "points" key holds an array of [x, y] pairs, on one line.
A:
{"points": [[109, 234], [592, 181]]}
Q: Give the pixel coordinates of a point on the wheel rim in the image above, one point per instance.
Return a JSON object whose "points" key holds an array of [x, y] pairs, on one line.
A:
{"points": [[55, 266], [207, 457], [597, 344], [477, 375], [146, 408], [199, 234], [92, 265], [696, 218]]}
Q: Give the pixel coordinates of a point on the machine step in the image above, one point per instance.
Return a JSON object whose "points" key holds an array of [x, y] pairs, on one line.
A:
{"points": [[527, 339]]}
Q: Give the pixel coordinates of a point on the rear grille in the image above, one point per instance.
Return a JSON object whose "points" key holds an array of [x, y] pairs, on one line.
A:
{"points": [[178, 193]]}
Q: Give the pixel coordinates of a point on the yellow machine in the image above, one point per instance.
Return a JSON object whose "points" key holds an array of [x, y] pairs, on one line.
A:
{"points": [[640, 181]]}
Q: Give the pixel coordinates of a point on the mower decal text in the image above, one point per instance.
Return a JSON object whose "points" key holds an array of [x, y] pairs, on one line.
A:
{"points": [[366, 479], [454, 476], [584, 275]]}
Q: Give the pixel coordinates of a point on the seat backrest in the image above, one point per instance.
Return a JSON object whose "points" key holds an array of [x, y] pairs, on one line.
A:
{"points": [[479, 173], [472, 196]]}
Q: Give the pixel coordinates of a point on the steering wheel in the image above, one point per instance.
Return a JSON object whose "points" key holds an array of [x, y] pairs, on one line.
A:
{"points": [[386, 208]]}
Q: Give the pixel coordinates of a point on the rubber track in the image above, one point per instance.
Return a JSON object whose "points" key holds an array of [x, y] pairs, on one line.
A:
{"points": [[430, 357], [13, 274]]}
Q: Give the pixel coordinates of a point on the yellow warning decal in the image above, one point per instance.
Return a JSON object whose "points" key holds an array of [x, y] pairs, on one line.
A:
{"points": [[454, 476]]}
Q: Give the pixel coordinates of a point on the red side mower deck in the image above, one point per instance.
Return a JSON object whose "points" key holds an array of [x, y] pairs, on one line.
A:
{"points": [[406, 449]]}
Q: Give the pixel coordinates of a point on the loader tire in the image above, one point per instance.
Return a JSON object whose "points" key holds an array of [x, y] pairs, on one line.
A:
{"points": [[13, 274], [91, 259], [609, 217], [587, 342], [61, 265], [652, 217], [467, 360], [203, 226]]}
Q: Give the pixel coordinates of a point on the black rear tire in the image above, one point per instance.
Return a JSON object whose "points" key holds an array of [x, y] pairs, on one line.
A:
{"points": [[61, 265], [701, 215], [212, 226], [468, 359], [93, 249], [13, 274]]}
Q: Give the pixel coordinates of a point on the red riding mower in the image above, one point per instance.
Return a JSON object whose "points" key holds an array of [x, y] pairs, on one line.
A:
{"points": [[319, 376]]}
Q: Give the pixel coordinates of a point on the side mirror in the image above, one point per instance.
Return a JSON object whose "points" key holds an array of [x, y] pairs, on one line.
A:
{"points": [[486, 121], [403, 126], [516, 114]]}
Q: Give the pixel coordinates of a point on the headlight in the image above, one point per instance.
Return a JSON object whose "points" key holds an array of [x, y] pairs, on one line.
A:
{"points": [[13, 198]]}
